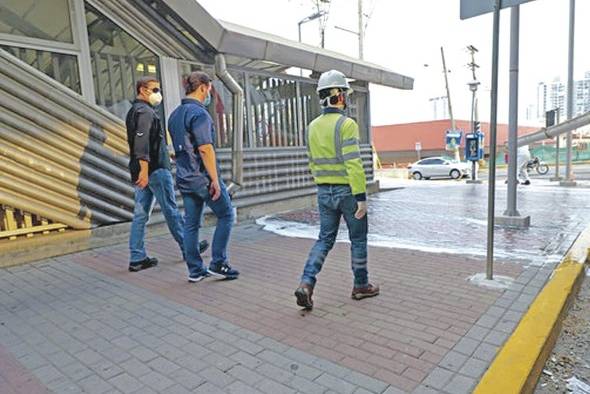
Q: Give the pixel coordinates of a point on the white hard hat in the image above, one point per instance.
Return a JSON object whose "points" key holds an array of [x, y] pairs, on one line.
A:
{"points": [[333, 79]]}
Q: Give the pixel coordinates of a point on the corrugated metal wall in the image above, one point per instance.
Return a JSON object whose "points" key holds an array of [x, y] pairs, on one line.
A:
{"points": [[60, 157]]}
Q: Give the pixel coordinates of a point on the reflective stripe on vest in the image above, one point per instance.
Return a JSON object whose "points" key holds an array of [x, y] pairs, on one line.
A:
{"points": [[329, 173], [349, 142]]}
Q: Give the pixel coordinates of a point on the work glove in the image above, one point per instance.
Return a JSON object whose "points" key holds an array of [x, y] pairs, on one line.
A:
{"points": [[361, 209]]}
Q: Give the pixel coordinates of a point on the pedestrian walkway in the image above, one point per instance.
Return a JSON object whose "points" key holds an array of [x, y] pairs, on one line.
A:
{"points": [[83, 323]]}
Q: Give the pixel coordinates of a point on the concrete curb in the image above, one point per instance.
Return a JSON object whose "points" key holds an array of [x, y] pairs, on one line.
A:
{"points": [[519, 363]]}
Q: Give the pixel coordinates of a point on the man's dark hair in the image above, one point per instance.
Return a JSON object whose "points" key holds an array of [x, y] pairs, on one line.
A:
{"points": [[143, 83], [195, 79]]}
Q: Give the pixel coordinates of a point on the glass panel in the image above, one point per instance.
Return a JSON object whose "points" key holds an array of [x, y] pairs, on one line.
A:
{"points": [[118, 60], [310, 103], [221, 105], [357, 110], [47, 19], [62, 68], [278, 114]]}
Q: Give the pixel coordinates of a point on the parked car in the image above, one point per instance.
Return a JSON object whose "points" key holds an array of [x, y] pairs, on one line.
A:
{"points": [[438, 167]]}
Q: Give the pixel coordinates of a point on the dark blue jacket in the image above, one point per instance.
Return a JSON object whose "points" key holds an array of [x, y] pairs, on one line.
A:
{"points": [[190, 126]]}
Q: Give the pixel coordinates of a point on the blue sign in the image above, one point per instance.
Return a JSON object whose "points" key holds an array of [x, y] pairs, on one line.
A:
{"points": [[474, 146], [453, 139]]}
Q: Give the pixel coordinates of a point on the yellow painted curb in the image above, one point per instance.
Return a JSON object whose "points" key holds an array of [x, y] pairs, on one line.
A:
{"points": [[519, 363]]}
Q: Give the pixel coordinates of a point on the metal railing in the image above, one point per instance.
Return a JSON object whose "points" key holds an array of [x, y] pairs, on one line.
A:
{"points": [[15, 223]]}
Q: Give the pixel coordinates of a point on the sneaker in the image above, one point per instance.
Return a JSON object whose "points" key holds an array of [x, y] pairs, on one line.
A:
{"points": [[303, 295], [526, 183], [146, 263], [223, 271], [203, 246], [358, 293], [198, 277]]}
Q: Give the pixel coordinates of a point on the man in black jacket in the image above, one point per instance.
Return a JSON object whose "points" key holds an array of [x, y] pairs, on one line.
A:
{"points": [[149, 164]]}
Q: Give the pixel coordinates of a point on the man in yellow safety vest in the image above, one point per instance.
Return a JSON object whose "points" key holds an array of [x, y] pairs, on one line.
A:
{"points": [[337, 169]]}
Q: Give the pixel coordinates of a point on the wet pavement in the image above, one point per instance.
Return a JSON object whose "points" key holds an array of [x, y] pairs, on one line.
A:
{"points": [[451, 217], [83, 323]]}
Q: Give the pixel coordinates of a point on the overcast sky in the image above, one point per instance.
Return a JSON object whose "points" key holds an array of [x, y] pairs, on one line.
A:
{"points": [[405, 35]]}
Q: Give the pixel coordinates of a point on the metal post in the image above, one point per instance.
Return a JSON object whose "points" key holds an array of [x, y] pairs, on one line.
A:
{"points": [[569, 179], [493, 130], [511, 209], [361, 29], [473, 87], [299, 39], [511, 217], [557, 177]]}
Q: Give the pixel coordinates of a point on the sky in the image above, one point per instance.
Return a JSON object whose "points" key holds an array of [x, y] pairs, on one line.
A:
{"points": [[404, 36]]}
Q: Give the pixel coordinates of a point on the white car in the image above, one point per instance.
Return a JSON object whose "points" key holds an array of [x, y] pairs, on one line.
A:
{"points": [[438, 167]]}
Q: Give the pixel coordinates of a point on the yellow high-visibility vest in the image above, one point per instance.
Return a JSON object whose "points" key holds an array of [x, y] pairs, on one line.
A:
{"points": [[334, 152]]}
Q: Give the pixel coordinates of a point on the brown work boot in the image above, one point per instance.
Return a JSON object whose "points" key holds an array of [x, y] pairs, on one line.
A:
{"points": [[358, 293], [303, 295]]}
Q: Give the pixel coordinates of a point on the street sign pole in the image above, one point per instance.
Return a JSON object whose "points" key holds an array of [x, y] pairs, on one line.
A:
{"points": [[569, 176], [511, 209], [493, 132], [512, 217]]}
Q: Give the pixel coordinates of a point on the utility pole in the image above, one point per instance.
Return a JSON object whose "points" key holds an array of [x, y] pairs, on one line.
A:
{"points": [[321, 11], [361, 29], [453, 125], [442, 53]]}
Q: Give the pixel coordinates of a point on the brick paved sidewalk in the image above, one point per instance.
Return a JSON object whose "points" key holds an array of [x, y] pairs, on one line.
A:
{"points": [[83, 323]]}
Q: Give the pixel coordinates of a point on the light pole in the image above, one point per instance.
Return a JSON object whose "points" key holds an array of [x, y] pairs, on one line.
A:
{"points": [[309, 18]]}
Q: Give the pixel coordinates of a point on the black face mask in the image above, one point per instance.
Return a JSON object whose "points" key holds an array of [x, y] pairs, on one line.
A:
{"points": [[334, 100], [345, 101]]}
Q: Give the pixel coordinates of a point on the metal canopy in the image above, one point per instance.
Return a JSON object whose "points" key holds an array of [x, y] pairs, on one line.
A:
{"points": [[232, 39]]}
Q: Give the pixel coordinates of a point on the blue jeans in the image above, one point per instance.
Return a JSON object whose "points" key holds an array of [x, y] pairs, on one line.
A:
{"points": [[194, 204], [160, 188], [335, 201]]}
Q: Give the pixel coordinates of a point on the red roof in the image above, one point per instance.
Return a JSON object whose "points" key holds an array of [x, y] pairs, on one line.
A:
{"points": [[431, 134]]}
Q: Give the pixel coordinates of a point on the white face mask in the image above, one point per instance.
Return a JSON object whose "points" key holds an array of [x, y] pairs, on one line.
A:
{"points": [[155, 99]]}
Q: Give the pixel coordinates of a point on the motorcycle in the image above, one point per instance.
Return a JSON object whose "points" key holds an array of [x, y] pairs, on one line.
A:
{"points": [[538, 165]]}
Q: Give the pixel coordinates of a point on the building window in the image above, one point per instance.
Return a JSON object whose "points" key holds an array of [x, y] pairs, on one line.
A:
{"points": [[47, 20], [118, 61], [62, 68]]}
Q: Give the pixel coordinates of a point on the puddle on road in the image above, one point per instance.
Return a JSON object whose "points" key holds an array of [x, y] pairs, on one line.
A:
{"points": [[452, 219]]}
